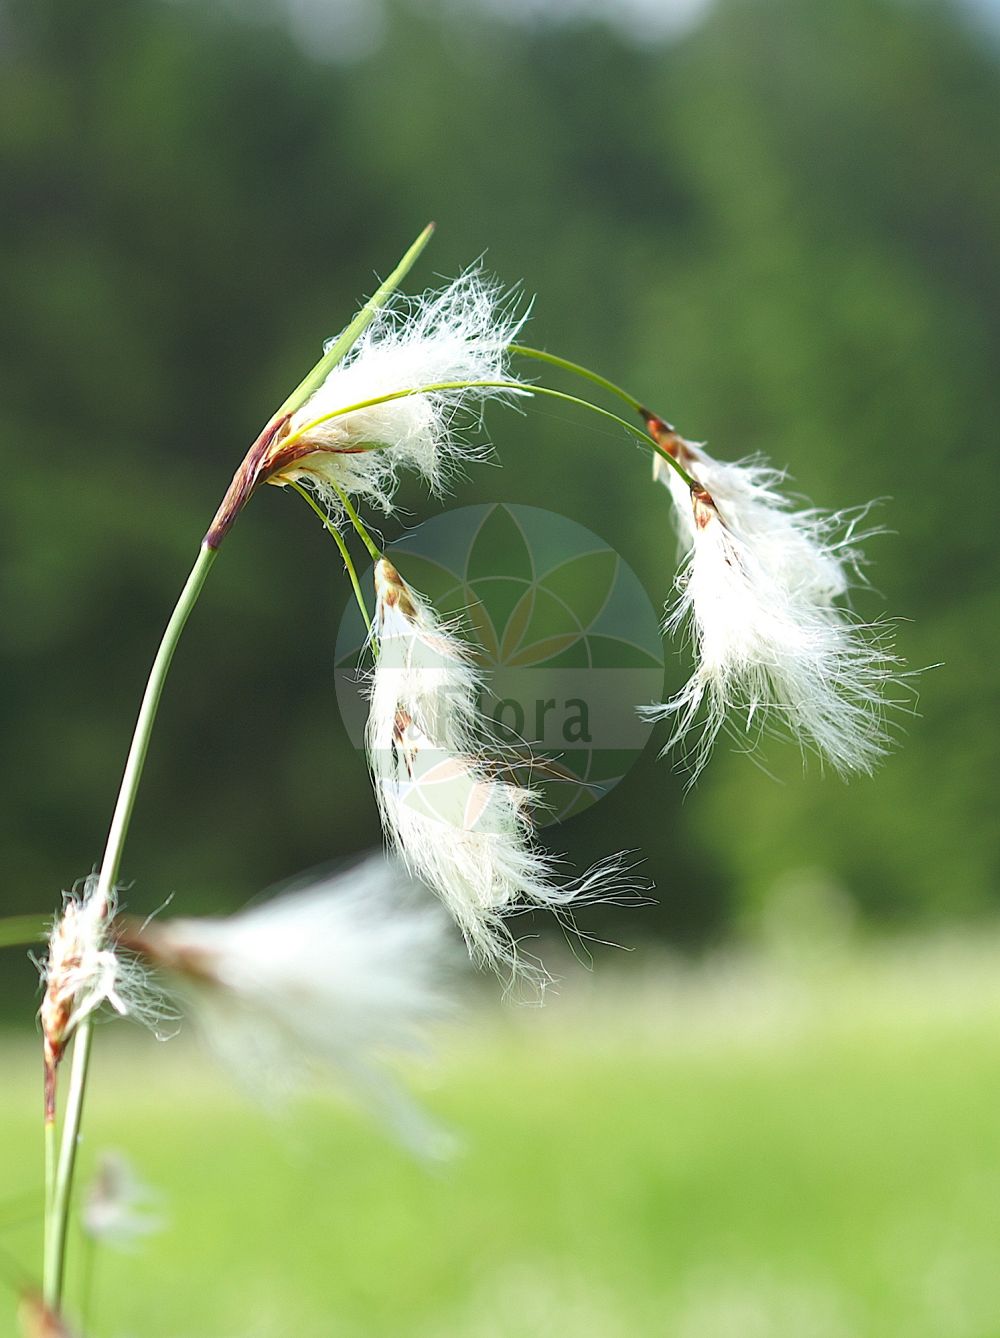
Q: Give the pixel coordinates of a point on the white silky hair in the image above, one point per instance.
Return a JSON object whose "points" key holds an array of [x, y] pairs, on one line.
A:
{"points": [[340, 972], [459, 827], [84, 969], [813, 552], [771, 649], [460, 333]]}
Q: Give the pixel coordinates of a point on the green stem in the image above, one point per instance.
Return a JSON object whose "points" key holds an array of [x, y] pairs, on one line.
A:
{"points": [[516, 386], [50, 1168], [50, 1178], [57, 1216], [523, 351], [147, 716], [357, 327], [374, 552], [344, 553], [577, 369]]}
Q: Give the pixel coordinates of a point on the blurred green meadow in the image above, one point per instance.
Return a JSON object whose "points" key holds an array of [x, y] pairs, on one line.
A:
{"points": [[765, 1145]]}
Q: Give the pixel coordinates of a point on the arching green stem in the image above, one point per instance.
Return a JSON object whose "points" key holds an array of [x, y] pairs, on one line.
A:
{"points": [[374, 552], [657, 428], [577, 369], [514, 386]]}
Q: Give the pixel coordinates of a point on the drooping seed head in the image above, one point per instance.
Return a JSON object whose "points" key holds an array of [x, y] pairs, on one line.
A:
{"points": [[441, 782]]}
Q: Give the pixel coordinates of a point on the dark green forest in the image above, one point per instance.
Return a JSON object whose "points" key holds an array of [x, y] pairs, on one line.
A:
{"points": [[782, 230]]}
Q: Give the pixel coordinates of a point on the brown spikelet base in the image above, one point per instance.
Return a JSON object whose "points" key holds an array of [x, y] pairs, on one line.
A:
{"points": [[38, 1321], [666, 436], [255, 467]]}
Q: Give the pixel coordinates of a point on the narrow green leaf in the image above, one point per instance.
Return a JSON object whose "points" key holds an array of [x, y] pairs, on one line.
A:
{"points": [[17, 929], [361, 321]]}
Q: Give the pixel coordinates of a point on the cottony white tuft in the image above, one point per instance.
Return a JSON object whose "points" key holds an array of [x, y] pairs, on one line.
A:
{"points": [[459, 334], [84, 970], [811, 551], [459, 827], [338, 972], [767, 649]]}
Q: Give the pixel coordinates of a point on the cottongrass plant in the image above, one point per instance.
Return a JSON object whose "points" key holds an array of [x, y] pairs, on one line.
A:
{"points": [[338, 972], [815, 554], [771, 653], [455, 341], [443, 786]]}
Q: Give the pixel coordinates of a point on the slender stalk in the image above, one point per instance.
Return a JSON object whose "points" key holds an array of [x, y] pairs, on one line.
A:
{"points": [[147, 716], [374, 552], [50, 1178], [516, 386], [57, 1213], [577, 369], [344, 553], [50, 1167], [656, 427], [57, 1220]]}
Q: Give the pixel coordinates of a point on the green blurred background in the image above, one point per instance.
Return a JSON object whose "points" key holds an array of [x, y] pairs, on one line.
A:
{"points": [[777, 220]]}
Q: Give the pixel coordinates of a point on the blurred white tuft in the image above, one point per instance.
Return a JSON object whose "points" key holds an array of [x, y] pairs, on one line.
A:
{"points": [[339, 973], [116, 1205]]}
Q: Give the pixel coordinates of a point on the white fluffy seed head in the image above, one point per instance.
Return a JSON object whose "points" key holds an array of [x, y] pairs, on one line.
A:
{"points": [[772, 647], [461, 827], [84, 969], [335, 974], [460, 333], [813, 552]]}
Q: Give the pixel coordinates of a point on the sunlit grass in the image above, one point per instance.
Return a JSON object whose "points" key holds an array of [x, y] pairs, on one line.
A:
{"points": [[745, 1150]]}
